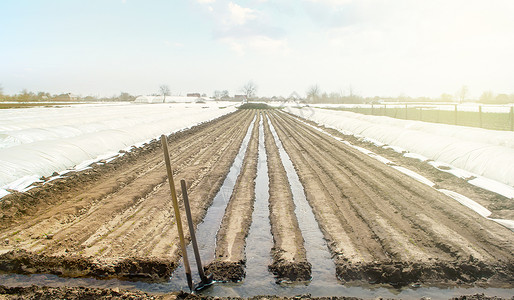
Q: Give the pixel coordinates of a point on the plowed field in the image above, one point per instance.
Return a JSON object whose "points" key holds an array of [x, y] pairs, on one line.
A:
{"points": [[380, 226]]}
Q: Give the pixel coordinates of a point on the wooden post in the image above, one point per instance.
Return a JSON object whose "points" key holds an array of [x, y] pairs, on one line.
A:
{"points": [[177, 212], [480, 115], [406, 112], [512, 118], [372, 109], [455, 114], [421, 113]]}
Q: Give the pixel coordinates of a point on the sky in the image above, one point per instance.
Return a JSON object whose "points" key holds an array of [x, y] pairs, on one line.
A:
{"points": [[381, 48]]}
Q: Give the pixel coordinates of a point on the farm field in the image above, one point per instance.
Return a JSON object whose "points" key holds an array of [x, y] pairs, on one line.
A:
{"points": [[495, 117], [376, 225]]}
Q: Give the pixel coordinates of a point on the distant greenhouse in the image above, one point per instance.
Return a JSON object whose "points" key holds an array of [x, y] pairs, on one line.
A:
{"points": [[170, 99], [149, 99]]}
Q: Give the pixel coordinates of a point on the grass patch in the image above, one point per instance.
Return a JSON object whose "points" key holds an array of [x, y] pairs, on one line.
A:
{"points": [[487, 120]]}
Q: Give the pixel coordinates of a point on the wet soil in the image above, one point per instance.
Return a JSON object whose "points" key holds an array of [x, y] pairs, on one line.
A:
{"points": [[381, 226], [289, 256], [230, 259], [385, 227], [50, 293], [500, 206], [116, 219]]}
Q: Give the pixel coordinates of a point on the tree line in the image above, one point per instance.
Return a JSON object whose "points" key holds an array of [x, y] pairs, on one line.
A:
{"points": [[314, 94], [29, 96]]}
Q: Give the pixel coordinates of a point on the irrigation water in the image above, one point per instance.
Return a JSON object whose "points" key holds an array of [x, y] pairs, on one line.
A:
{"points": [[258, 280], [207, 230]]}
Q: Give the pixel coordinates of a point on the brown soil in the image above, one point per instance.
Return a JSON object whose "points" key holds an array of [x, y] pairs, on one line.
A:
{"points": [[72, 293], [384, 227], [231, 238], [116, 219], [500, 206], [289, 258], [381, 226], [52, 293]]}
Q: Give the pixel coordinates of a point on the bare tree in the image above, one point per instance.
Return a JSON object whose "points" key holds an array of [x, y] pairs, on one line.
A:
{"points": [[1, 90], [164, 90], [462, 93], [350, 90], [313, 93], [487, 97], [126, 97], [220, 94], [446, 97], [249, 90]]}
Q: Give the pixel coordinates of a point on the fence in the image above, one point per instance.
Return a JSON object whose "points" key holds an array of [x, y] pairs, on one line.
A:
{"points": [[488, 117]]}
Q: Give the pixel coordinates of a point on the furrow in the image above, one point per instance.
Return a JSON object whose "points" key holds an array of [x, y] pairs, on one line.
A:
{"points": [[229, 262], [399, 212], [289, 255]]}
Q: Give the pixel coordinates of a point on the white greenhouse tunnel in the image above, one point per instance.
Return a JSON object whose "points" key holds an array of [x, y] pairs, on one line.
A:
{"points": [[39, 141], [488, 153]]}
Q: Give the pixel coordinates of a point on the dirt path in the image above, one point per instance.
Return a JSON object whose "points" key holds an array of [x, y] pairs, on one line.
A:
{"points": [[119, 219], [289, 258], [383, 226], [229, 263]]}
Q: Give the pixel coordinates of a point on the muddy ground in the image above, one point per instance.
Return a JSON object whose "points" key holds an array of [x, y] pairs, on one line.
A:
{"points": [[381, 226], [73, 293], [230, 258], [289, 256], [116, 220], [384, 227]]}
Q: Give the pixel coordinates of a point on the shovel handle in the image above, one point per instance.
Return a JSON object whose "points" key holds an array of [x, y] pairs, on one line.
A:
{"points": [[177, 211]]}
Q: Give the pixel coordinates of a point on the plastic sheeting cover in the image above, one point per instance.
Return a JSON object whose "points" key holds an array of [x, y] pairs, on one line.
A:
{"points": [[40, 141], [484, 152]]}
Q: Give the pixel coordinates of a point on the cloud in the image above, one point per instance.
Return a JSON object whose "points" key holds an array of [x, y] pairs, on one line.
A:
{"points": [[332, 2], [206, 1], [240, 15], [246, 28]]}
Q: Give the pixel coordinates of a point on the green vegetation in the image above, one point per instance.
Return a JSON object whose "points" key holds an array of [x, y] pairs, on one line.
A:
{"points": [[29, 96], [255, 106], [487, 120], [35, 104]]}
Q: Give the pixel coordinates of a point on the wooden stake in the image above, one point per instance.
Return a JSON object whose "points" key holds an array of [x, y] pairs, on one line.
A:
{"points": [[177, 212], [512, 118], [480, 116], [456, 112]]}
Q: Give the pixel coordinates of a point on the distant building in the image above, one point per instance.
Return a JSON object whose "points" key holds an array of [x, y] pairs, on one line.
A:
{"points": [[196, 95]]}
